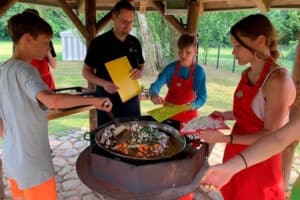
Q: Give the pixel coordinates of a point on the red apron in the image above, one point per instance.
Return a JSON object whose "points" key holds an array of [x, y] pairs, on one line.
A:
{"points": [[181, 92], [43, 67], [262, 181]]}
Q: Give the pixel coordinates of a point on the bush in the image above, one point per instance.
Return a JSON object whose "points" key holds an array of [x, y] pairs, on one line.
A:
{"points": [[291, 53]]}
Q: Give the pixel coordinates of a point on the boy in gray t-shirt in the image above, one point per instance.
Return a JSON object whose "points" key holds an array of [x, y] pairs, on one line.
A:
{"points": [[24, 99]]}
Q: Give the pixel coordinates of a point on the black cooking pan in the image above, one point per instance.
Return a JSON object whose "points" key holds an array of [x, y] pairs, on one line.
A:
{"points": [[178, 143]]}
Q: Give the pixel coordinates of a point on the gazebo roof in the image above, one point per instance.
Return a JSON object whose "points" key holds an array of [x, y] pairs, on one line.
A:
{"points": [[207, 5]]}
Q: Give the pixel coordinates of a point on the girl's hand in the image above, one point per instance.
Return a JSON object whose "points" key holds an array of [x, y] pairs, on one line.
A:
{"points": [[213, 136], [217, 115], [216, 177]]}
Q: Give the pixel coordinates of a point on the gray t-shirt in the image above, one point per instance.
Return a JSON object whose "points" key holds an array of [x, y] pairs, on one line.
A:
{"points": [[26, 150]]}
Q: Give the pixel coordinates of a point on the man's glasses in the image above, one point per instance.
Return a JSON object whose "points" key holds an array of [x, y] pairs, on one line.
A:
{"points": [[125, 22]]}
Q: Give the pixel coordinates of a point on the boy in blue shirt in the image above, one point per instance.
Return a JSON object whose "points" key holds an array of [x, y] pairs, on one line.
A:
{"points": [[185, 80]]}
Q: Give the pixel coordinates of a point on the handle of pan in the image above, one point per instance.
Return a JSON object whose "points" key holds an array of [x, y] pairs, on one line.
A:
{"points": [[87, 136]]}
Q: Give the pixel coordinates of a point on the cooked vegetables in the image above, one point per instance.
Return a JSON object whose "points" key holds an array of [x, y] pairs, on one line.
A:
{"points": [[138, 141]]}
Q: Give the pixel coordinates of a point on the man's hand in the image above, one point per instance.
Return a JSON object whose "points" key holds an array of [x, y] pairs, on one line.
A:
{"points": [[110, 87], [136, 74]]}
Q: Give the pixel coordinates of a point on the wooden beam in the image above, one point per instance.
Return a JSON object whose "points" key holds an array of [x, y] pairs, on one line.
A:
{"points": [[202, 8], [74, 18], [263, 5], [103, 22], [80, 6], [143, 6], [90, 17], [170, 18], [5, 5], [193, 15]]}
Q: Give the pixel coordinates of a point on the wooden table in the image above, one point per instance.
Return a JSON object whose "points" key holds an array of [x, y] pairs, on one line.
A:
{"points": [[54, 114]]}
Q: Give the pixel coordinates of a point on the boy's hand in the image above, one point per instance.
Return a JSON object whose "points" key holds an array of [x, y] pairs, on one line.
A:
{"points": [[103, 104], [157, 99]]}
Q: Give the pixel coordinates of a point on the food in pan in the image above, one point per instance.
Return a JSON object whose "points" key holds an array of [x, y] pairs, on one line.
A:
{"points": [[135, 140]]}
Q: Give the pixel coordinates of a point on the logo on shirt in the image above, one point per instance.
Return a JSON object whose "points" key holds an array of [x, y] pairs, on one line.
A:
{"points": [[178, 84], [132, 49], [239, 94]]}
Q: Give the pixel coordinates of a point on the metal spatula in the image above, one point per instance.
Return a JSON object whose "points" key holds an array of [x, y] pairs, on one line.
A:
{"points": [[124, 134]]}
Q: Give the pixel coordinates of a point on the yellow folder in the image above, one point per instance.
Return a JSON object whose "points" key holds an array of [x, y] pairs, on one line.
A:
{"points": [[119, 71]]}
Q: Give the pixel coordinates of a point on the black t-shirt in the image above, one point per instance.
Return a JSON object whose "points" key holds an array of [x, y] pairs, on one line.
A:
{"points": [[107, 47]]}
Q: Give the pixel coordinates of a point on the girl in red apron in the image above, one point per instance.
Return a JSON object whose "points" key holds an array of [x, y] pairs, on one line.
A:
{"points": [[261, 105], [186, 83]]}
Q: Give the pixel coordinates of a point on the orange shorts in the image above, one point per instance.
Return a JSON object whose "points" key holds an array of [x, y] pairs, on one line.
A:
{"points": [[189, 196], [45, 191]]}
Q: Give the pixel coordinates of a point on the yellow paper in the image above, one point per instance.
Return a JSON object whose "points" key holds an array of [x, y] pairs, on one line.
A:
{"points": [[119, 71]]}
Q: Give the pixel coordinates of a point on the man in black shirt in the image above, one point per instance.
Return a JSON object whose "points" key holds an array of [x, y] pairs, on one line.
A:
{"points": [[111, 45]]}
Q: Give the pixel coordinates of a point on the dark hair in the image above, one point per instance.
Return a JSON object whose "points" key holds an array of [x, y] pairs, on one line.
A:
{"points": [[253, 26], [123, 4], [27, 22], [186, 40], [31, 10]]}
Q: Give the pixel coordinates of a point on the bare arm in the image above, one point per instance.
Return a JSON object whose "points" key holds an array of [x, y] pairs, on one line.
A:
{"points": [[267, 146], [264, 148], [88, 74], [51, 60], [55, 101]]}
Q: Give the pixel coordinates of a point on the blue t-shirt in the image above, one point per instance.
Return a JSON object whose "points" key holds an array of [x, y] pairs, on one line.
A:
{"points": [[199, 83]]}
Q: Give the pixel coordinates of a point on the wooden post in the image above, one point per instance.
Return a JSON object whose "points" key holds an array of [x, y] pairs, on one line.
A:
{"points": [[90, 16], [193, 15], [288, 153], [218, 57]]}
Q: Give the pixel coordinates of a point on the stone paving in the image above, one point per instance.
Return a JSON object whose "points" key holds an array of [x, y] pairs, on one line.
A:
{"points": [[66, 149]]}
